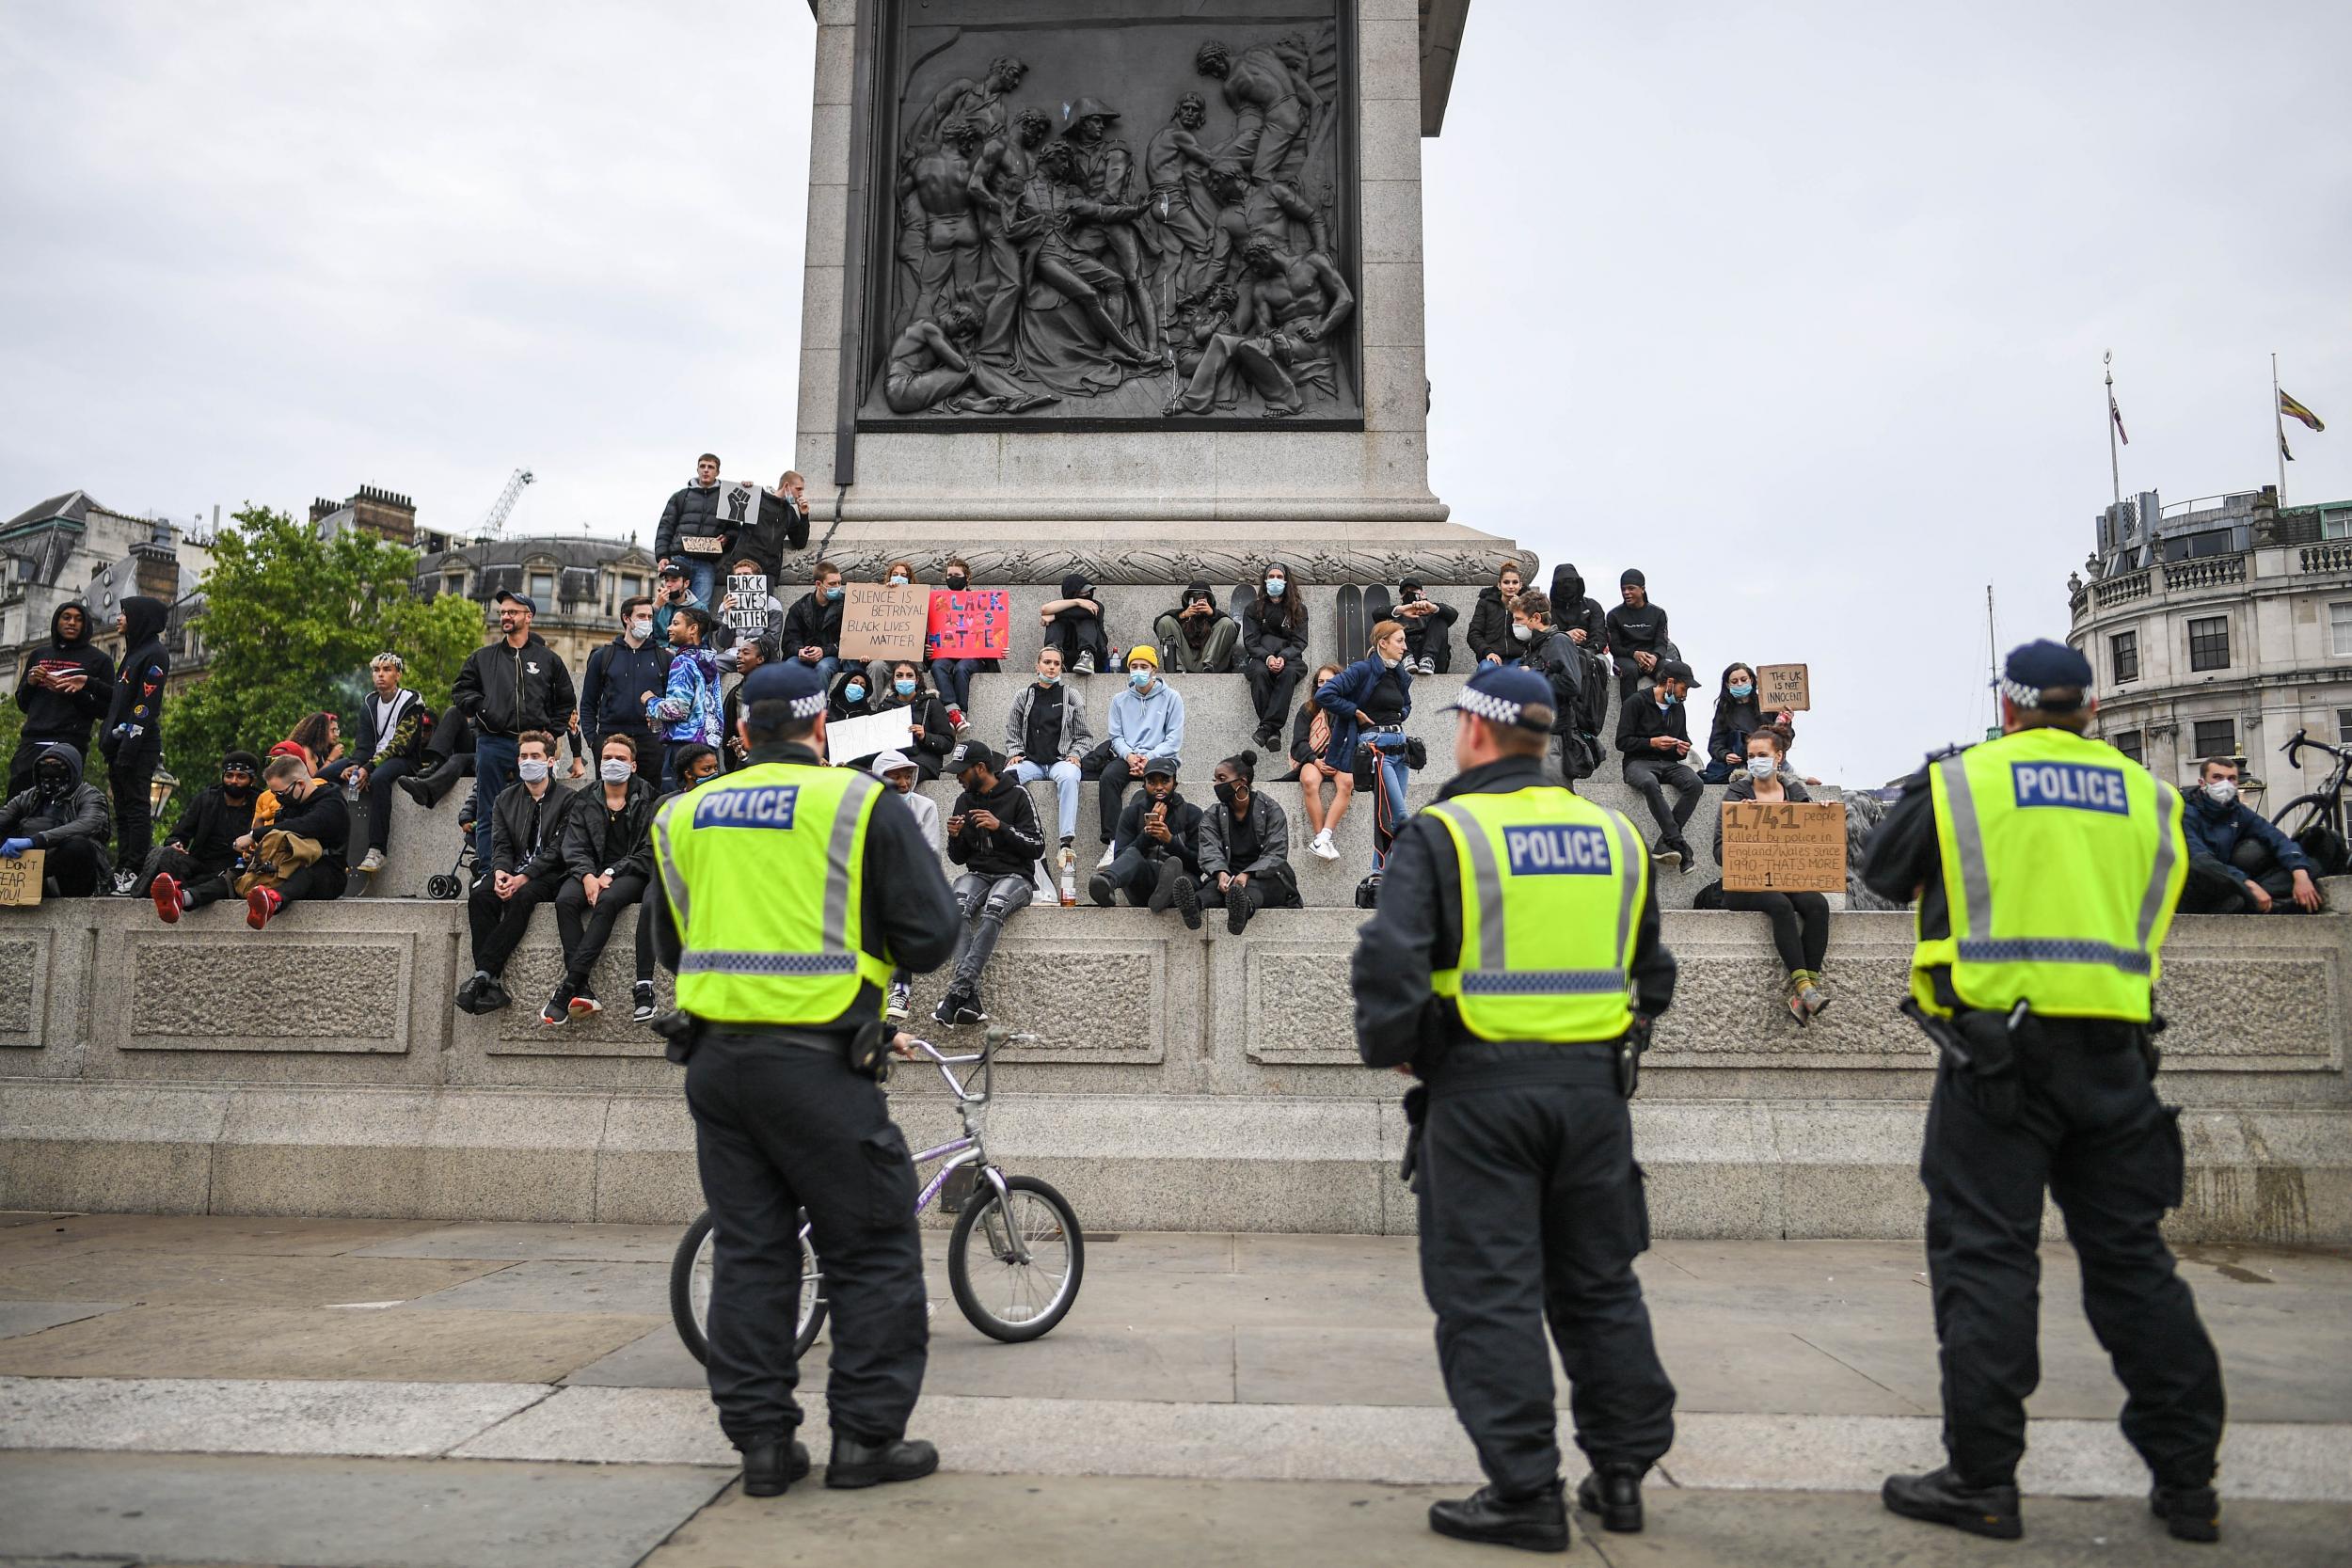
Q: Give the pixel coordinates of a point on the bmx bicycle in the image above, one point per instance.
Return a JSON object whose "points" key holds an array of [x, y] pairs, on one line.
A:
{"points": [[1014, 1260]]}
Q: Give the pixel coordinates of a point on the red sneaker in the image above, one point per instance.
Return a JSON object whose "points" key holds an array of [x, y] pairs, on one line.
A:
{"points": [[164, 890], [260, 904]]}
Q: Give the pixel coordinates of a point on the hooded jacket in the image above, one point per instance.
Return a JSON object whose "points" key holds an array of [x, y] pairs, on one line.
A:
{"points": [[1275, 629], [208, 829], [598, 839], [78, 812], [609, 690], [1573, 609], [689, 707], [134, 715], [2215, 831], [1184, 830], [398, 735], [1012, 846], [1490, 628], [692, 514], [1077, 735], [813, 623], [51, 715], [505, 690]]}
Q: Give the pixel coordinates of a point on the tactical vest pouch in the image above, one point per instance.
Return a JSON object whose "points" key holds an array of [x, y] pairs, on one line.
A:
{"points": [[1416, 1110], [678, 1031], [1993, 1062], [870, 1049]]}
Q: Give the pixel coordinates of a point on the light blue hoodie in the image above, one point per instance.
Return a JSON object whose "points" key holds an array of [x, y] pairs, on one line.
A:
{"points": [[1151, 723]]}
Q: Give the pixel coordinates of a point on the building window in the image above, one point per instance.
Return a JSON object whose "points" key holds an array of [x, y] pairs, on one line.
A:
{"points": [[453, 583], [2123, 649], [2335, 525], [2209, 643], [2128, 743], [543, 592], [2343, 726], [2340, 630], [2217, 738]]}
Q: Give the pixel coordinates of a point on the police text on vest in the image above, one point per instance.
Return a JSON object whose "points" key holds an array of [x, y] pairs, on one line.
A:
{"points": [[769, 806], [1557, 852], [2069, 785]]}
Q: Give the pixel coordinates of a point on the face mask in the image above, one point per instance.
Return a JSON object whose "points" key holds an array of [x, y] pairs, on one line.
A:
{"points": [[897, 580], [957, 583], [1387, 663], [1525, 634], [854, 692], [1761, 768], [833, 593], [1273, 587], [1666, 698], [1741, 688], [52, 783], [1226, 791], [612, 769], [2221, 792], [530, 770], [1054, 679], [1138, 678], [905, 688], [640, 630]]}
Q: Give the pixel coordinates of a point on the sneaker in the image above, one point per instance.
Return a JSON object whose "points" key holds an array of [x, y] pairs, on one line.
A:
{"points": [[1086, 663], [968, 1009], [1665, 853], [1264, 737], [164, 890], [1684, 858], [900, 995], [469, 991], [641, 994], [558, 1010], [585, 1004], [372, 862], [1810, 993], [260, 904], [1109, 853], [1098, 888], [1322, 847], [1428, 665], [126, 883], [957, 720], [492, 997], [944, 1013], [1188, 902]]}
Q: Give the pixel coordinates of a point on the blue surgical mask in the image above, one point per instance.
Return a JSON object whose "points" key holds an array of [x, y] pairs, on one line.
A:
{"points": [[1761, 768], [897, 580], [1273, 587], [905, 688], [1054, 679], [833, 593], [854, 692], [1666, 698], [1139, 678], [1741, 688]]}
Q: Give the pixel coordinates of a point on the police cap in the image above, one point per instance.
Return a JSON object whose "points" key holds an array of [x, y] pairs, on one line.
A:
{"points": [[786, 681], [1510, 695], [2042, 666]]}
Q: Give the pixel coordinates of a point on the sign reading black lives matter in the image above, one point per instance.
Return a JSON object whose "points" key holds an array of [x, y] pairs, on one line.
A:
{"points": [[1114, 213], [746, 609]]}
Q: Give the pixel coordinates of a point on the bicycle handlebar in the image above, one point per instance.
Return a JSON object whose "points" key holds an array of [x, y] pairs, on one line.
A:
{"points": [[985, 1057]]}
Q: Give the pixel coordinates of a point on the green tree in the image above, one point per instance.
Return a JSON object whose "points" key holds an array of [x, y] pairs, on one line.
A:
{"points": [[289, 623]]}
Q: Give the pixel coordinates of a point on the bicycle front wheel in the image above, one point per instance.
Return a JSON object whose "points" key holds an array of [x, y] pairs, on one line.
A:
{"points": [[1005, 1298], [2305, 812], [692, 1272]]}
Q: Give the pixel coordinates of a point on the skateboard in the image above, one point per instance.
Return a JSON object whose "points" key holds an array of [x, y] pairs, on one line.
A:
{"points": [[1237, 605], [1377, 609], [1351, 624]]}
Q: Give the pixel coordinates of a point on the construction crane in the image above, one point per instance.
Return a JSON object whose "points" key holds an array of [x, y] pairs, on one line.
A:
{"points": [[494, 523]]}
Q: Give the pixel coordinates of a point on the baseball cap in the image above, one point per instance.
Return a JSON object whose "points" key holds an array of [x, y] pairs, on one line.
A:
{"points": [[1162, 764], [973, 753], [786, 681], [1507, 694], [675, 569], [1674, 670], [509, 596], [2040, 666]]}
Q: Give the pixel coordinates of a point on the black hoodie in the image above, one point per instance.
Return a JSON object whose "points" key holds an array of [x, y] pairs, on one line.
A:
{"points": [[52, 714], [1012, 846], [78, 811], [1572, 609], [135, 720], [1490, 628]]}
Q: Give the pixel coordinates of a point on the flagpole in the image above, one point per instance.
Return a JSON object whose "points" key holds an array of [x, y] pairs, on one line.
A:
{"points": [[2115, 469], [2279, 427]]}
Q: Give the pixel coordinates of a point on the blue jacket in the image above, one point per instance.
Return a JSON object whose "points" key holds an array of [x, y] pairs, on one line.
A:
{"points": [[2217, 834], [609, 691], [1346, 692], [1152, 724], [689, 705]]}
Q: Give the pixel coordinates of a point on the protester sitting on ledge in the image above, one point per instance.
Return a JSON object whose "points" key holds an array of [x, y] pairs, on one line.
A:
{"points": [[300, 856], [1637, 634], [898, 574], [1653, 740], [1274, 649], [1147, 720], [994, 837], [1800, 920], [1155, 854], [1312, 733], [770, 607], [1046, 737], [2237, 862], [1245, 847], [321, 738], [391, 742], [607, 863], [812, 628], [187, 870], [1197, 637], [1074, 624], [64, 819], [1738, 715], [526, 868], [897, 771], [851, 696], [1428, 640], [1490, 641], [954, 676], [933, 733]]}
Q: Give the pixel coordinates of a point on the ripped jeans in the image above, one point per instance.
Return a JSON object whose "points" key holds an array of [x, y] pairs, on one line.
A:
{"points": [[986, 903]]}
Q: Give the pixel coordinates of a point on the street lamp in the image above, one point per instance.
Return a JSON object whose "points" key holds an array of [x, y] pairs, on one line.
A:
{"points": [[159, 791]]}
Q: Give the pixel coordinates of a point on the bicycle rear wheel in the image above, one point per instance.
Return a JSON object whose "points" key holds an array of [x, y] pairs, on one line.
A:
{"points": [[1004, 1297], [691, 1274], [2300, 814]]}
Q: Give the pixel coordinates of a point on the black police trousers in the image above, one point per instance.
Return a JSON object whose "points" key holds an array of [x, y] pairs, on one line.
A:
{"points": [[2088, 1127], [1531, 1209], [778, 1128]]}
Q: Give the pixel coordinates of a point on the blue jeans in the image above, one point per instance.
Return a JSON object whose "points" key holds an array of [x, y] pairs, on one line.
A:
{"points": [[954, 676], [826, 669], [1065, 776], [1390, 776], [702, 575], [493, 770]]}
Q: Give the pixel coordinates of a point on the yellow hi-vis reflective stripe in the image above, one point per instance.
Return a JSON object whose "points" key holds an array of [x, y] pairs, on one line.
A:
{"points": [[2063, 864], [1546, 943]]}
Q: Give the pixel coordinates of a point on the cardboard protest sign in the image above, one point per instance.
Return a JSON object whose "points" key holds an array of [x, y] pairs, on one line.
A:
{"points": [[881, 622], [1782, 686], [1784, 846], [19, 878], [976, 622], [745, 606], [848, 740]]}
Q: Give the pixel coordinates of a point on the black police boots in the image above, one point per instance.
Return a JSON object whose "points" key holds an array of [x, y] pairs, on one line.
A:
{"points": [[1941, 1498], [1614, 1492], [855, 1463], [1535, 1523], [770, 1466], [2190, 1512]]}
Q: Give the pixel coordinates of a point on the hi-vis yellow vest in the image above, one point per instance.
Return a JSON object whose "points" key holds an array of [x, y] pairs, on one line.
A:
{"points": [[765, 874], [2063, 860], [1551, 885]]}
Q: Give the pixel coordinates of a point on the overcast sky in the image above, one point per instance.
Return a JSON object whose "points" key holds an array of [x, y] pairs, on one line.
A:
{"points": [[1799, 308]]}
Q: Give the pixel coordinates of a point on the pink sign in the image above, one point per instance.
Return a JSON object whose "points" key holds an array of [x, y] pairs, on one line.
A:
{"points": [[976, 622]]}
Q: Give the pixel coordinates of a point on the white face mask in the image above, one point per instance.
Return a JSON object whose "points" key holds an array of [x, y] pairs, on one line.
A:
{"points": [[640, 630], [2221, 792], [1523, 632], [532, 770], [615, 769], [1761, 768]]}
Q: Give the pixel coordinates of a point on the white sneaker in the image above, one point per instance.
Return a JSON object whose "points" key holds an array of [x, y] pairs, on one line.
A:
{"points": [[374, 863], [1322, 847], [897, 1006], [1085, 664], [1108, 854]]}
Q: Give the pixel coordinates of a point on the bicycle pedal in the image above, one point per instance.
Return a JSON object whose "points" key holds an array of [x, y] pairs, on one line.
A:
{"points": [[957, 1192]]}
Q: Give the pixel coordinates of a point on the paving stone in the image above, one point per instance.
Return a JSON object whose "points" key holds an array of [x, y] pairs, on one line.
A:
{"points": [[261, 1415], [221, 1235], [643, 1288], [31, 1317], [603, 1244], [169, 1275]]}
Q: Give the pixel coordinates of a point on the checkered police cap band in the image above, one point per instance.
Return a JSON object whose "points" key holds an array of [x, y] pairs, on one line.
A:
{"points": [[2030, 697], [808, 706], [1500, 710]]}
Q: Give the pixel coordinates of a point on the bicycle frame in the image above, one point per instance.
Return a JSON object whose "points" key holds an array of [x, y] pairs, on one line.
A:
{"points": [[973, 1146]]}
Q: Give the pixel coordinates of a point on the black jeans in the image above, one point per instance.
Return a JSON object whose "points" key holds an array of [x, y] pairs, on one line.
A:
{"points": [[585, 930], [78, 866], [1532, 1211], [1076, 631], [203, 884], [315, 883], [130, 777], [2088, 1126], [2214, 888], [1799, 923], [1651, 779], [779, 1128], [1137, 874], [1110, 791], [380, 797], [1270, 692], [498, 924], [1430, 637]]}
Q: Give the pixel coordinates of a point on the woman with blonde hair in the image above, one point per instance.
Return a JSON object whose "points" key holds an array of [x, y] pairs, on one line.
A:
{"points": [[1311, 735]]}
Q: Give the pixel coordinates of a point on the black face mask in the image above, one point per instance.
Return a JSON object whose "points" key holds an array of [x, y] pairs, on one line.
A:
{"points": [[1227, 791], [957, 583], [52, 782]]}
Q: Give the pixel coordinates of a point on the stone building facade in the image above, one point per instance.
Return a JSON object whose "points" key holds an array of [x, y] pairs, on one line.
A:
{"points": [[73, 547], [576, 581], [2220, 626]]}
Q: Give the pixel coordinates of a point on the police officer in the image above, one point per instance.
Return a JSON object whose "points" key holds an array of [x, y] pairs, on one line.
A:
{"points": [[2046, 866], [1513, 966], [792, 890]]}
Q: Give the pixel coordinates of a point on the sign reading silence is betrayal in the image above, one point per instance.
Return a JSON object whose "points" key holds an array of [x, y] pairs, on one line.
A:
{"points": [[881, 622], [973, 622], [1784, 846], [1783, 688]]}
